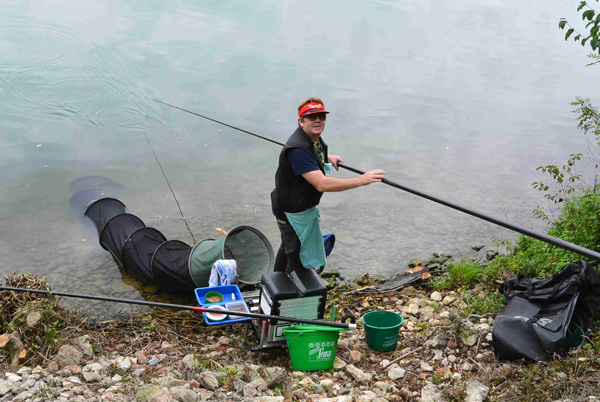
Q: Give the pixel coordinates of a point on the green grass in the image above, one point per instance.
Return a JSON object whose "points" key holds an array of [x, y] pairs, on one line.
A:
{"points": [[461, 273], [483, 302], [578, 223]]}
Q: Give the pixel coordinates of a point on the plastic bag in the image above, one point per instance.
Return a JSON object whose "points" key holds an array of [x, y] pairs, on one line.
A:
{"points": [[222, 273]]}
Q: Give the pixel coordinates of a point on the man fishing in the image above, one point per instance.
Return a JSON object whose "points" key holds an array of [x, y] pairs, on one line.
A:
{"points": [[301, 179]]}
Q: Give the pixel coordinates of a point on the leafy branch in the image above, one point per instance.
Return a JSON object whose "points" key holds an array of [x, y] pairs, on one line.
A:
{"points": [[592, 36], [564, 177], [565, 181]]}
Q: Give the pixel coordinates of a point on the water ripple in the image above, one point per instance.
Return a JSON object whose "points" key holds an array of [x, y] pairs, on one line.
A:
{"points": [[57, 89]]}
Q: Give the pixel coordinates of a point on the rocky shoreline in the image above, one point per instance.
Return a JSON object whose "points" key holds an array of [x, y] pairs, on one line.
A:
{"points": [[444, 353]]}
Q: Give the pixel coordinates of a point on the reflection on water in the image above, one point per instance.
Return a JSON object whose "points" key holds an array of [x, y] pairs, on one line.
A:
{"points": [[451, 98]]}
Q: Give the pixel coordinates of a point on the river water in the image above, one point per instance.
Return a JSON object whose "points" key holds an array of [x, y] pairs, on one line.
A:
{"points": [[459, 99]]}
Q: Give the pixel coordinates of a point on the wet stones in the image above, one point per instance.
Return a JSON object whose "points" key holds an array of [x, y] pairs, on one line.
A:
{"points": [[491, 254]]}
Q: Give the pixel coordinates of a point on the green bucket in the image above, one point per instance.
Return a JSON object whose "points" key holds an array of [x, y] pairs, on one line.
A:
{"points": [[382, 329], [312, 347]]}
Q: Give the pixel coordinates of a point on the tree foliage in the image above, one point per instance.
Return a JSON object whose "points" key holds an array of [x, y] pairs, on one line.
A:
{"points": [[565, 181], [591, 35]]}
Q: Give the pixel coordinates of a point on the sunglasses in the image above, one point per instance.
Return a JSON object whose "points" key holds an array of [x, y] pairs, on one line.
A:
{"points": [[313, 117]]}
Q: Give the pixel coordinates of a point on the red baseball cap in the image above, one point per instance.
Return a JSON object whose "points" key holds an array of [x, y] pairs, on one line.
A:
{"points": [[312, 107]]}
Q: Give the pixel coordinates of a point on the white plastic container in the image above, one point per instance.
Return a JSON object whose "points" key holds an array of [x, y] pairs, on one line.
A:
{"points": [[239, 306], [216, 317]]}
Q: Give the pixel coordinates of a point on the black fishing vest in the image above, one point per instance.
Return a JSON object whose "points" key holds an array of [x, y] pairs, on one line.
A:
{"points": [[293, 193]]}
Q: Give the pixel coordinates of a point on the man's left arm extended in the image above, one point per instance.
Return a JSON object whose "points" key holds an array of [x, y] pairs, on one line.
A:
{"points": [[331, 184]]}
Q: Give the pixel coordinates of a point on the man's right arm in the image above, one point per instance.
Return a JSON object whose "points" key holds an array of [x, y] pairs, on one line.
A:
{"points": [[326, 184], [304, 164]]}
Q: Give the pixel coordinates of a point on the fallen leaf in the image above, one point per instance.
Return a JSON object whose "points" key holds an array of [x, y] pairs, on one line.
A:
{"points": [[415, 269], [426, 275]]}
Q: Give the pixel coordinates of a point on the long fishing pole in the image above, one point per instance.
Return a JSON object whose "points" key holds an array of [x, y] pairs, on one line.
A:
{"points": [[182, 307], [170, 188], [517, 228]]}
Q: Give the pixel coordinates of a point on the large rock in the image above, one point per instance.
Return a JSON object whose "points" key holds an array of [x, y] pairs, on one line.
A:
{"points": [[370, 396], [431, 393], [491, 254], [123, 364], [6, 387], [358, 374], [275, 371], [168, 381], [326, 384], [68, 355], [190, 361], [385, 387], [146, 393], [396, 372], [184, 394], [249, 390], [208, 381], [338, 363], [476, 392], [426, 366], [252, 374], [355, 356], [427, 313], [411, 309], [83, 343], [436, 296], [92, 372], [33, 319], [470, 341]]}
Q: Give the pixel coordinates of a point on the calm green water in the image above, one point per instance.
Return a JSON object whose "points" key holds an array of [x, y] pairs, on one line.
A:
{"points": [[459, 99]]}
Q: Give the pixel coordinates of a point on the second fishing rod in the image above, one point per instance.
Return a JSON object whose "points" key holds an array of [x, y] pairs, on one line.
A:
{"points": [[180, 307], [481, 215]]}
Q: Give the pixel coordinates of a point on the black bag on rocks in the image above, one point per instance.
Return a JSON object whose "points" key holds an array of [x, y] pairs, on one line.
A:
{"points": [[544, 318]]}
